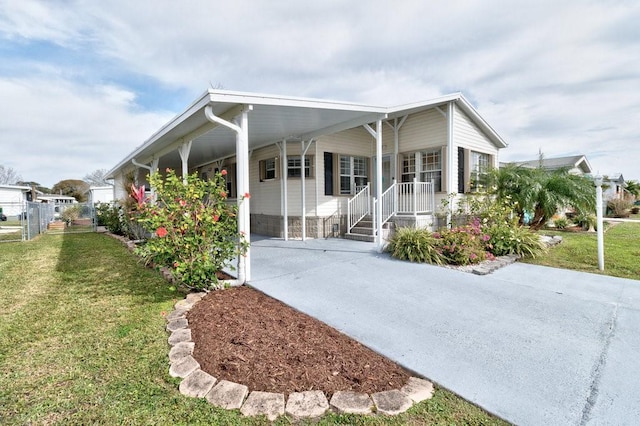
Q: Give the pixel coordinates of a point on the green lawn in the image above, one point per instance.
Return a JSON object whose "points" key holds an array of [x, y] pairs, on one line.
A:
{"points": [[579, 251], [82, 341]]}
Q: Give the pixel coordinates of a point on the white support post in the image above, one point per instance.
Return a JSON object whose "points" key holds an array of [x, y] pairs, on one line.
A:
{"points": [[450, 159], [285, 175], [599, 222], [244, 217], [242, 178], [378, 223], [184, 151], [303, 217]]}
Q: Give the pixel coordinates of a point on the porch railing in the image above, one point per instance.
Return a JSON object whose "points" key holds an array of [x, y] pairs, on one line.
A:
{"points": [[412, 198], [415, 198], [358, 207]]}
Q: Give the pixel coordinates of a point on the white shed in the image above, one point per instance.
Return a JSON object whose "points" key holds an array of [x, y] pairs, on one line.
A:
{"points": [[13, 199]]}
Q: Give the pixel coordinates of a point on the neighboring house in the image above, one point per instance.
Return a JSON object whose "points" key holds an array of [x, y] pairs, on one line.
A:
{"points": [[323, 161], [56, 199], [613, 187], [100, 194], [575, 164], [13, 199]]}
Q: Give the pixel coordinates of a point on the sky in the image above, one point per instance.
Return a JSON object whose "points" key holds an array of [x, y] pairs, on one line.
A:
{"points": [[82, 83]]}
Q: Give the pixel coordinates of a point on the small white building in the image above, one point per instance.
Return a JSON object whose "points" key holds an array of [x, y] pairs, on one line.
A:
{"points": [[101, 194], [13, 199], [613, 187]]}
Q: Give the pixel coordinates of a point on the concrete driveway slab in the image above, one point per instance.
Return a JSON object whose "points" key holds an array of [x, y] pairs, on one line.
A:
{"points": [[533, 345]]}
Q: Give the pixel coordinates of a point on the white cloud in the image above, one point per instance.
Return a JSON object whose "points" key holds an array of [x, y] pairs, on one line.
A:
{"points": [[53, 129], [560, 77]]}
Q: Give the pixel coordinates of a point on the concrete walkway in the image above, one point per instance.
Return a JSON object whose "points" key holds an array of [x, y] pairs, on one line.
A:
{"points": [[533, 345]]}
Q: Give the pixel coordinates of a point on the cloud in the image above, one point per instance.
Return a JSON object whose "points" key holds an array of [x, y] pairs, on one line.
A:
{"points": [[53, 129], [544, 74]]}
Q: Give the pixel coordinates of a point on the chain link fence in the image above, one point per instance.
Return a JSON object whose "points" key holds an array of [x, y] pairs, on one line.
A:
{"points": [[25, 221]]}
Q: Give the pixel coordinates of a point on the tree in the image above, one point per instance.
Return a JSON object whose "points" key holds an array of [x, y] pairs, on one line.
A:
{"points": [[72, 187], [542, 192], [633, 188], [97, 178], [8, 176]]}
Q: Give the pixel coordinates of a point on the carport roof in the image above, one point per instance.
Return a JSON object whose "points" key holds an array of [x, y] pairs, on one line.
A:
{"points": [[272, 119]]}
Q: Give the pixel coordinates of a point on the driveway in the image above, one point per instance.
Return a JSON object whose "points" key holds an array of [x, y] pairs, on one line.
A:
{"points": [[533, 345]]}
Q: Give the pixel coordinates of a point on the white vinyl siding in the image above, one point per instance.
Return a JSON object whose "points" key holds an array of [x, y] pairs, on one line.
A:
{"points": [[426, 129]]}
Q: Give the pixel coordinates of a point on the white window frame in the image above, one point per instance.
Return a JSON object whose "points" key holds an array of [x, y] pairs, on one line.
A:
{"points": [[480, 165], [308, 166], [357, 173]]}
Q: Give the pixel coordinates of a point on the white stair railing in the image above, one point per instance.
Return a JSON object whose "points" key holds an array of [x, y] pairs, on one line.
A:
{"points": [[358, 207]]}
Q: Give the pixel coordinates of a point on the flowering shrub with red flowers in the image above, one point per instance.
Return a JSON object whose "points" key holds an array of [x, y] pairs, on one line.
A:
{"points": [[194, 229]]}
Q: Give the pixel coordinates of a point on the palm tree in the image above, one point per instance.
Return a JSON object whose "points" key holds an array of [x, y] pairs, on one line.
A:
{"points": [[633, 188], [542, 192]]}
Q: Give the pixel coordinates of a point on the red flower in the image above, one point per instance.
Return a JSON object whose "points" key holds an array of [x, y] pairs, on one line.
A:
{"points": [[216, 218], [161, 232], [247, 195], [223, 172], [176, 264], [183, 203], [223, 194]]}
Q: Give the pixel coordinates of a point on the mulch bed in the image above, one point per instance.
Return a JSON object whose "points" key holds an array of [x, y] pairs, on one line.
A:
{"points": [[246, 337]]}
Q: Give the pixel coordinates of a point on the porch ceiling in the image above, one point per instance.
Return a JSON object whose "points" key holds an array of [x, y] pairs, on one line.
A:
{"points": [[272, 119]]}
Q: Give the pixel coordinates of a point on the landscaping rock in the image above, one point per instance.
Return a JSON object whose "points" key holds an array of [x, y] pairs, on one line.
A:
{"points": [[177, 324], [307, 404], [178, 336], [180, 351], [183, 368], [352, 402], [227, 395], [178, 313], [195, 297], [391, 402], [183, 304], [418, 389], [264, 403], [197, 384]]}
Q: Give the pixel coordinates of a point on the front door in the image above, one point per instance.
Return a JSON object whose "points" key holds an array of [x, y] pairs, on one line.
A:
{"points": [[387, 181]]}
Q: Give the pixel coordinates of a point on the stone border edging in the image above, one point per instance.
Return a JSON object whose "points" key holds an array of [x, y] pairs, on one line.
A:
{"points": [[199, 384]]}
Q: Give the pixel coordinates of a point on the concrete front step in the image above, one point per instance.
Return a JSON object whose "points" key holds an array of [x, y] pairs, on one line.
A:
{"points": [[359, 237]]}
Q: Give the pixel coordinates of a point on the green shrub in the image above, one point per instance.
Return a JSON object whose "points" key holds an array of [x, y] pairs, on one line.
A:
{"points": [[561, 223], [587, 221], [508, 239], [110, 216], [619, 207], [415, 245], [70, 213], [194, 228]]}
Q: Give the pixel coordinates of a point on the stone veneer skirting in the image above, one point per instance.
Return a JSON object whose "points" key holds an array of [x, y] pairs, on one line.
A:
{"points": [[199, 384], [316, 226]]}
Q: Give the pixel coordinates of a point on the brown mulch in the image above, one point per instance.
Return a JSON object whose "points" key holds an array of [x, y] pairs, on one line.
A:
{"points": [[244, 336]]}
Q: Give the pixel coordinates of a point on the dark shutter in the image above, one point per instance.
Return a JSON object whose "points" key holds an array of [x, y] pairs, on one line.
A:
{"points": [[328, 173], [460, 170]]}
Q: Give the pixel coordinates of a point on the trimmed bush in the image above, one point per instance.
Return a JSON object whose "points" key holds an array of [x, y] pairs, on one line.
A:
{"points": [[561, 223], [415, 245]]}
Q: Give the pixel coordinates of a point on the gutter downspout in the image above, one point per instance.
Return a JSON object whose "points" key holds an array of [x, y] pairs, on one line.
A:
{"points": [[242, 177]]}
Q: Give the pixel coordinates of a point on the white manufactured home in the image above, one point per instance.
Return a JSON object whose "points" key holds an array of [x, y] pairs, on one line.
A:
{"points": [[317, 168]]}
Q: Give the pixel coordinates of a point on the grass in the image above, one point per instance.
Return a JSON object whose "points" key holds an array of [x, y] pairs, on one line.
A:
{"points": [[579, 251], [82, 341]]}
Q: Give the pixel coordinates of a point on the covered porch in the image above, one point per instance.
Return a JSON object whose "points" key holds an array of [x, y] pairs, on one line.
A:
{"points": [[224, 125]]}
